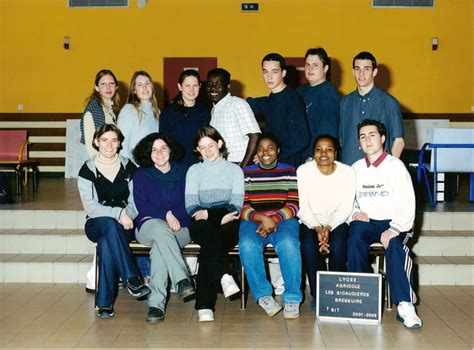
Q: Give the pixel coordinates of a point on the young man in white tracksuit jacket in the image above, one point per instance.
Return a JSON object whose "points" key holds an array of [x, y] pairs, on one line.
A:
{"points": [[384, 212]]}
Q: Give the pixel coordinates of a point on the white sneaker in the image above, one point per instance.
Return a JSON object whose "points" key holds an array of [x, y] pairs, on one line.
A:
{"points": [[407, 315], [229, 287], [291, 311], [205, 315], [269, 304]]}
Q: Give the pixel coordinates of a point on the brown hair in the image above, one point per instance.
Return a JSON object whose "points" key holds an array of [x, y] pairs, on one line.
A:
{"points": [[209, 131]]}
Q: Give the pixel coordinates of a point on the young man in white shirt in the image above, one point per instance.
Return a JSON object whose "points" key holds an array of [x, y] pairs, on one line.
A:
{"points": [[233, 118], [384, 212]]}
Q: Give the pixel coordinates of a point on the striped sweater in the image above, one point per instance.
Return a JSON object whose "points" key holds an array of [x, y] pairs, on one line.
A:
{"points": [[271, 191]]}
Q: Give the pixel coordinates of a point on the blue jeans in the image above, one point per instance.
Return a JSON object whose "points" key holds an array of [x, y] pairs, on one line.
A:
{"points": [[115, 257], [287, 246]]}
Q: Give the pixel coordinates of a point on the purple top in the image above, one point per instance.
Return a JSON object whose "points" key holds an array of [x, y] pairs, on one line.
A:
{"points": [[155, 193]]}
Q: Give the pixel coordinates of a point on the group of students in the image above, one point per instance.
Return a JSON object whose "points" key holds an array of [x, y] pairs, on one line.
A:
{"points": [[175, 197]]}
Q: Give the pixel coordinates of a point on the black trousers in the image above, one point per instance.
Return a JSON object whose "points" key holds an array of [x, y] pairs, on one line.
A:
{"points": [[215, 240]]}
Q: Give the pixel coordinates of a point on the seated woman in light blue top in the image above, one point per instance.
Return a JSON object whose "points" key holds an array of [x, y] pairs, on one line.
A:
{"points": [[139, 117], [213, 197]]}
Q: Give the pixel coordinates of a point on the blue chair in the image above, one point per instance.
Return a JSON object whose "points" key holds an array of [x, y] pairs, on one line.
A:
{"points": [[452, 151]]}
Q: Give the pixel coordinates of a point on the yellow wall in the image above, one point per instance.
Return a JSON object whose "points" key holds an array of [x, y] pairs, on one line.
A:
{"points": [[37, 72]]}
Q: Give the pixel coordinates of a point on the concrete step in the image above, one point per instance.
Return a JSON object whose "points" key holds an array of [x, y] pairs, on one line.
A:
{"points": [[446, 270], [44, 241], [444, 221], [72, 268], [74, 241], [443, 243], [44, 268], [42, 219], [74, 219]]}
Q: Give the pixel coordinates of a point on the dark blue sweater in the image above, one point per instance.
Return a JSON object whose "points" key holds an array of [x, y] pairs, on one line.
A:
{"points": [[285, 117], [322, 108], [155, 193], [182, 123]]}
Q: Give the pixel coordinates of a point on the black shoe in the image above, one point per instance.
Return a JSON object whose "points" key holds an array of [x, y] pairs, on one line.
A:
{"points": [[137, 288], [106, 312], [90, 290], [186, 290], [155, 315]]}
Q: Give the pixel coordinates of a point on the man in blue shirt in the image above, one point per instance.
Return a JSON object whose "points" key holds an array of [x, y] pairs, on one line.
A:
{"points": [[320, 96], [368, 101], [283, 110]]}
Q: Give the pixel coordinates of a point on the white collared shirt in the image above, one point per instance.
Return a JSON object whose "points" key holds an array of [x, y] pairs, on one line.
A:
{"points": [[234, 119]]}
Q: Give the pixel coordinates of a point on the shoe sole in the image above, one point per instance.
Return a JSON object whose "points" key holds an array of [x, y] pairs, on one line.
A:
{"points": [[106, 316], [274, 311], [206, 320], [188, 295], [139, 296], [231, 291], [291, 316], [155, 319], [90, 290], [416, 325]]}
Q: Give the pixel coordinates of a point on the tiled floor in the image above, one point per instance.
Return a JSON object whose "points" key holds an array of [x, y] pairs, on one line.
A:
{"points": [[62, 316]]}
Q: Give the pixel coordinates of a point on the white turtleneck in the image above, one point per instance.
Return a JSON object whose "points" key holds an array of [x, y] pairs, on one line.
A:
{"points": [[108, 167]]}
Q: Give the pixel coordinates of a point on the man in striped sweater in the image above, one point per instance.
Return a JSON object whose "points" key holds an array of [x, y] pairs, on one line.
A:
{"points": [[268, 216], [384, 212]]}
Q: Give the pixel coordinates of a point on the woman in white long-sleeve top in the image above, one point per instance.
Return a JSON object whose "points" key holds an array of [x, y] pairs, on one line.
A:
{"points": [[326, 190], [139, 117], [105, 187]]}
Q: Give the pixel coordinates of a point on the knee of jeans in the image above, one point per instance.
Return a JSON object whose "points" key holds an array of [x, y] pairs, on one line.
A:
{"points": [[288, 244], [111, 226], [248, 245]]}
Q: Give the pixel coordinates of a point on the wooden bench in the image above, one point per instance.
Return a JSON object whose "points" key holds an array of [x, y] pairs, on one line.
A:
{"points": [[13, 155], [193, 249]]}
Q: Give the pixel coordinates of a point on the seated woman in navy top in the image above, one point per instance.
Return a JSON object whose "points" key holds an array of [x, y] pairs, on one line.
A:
{"points": [[162, 220]]}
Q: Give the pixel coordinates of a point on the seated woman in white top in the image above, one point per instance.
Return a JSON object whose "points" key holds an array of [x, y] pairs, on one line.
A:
{"points": [[326, 190]]}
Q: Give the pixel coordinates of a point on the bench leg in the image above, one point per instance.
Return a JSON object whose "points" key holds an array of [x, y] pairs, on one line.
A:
{"points": [[35, 173], [96, 273], [471, 187], [18, 181], [387, 286], [242, 288]]}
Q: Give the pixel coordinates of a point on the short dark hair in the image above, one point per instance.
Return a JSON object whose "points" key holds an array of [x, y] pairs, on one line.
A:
{"points": [[378, 124], [335, 141], [365, 55], [101, 130], [142, 151], [219, 72], [321, 53], [209, 131], [271, 137], [275, 57]]}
